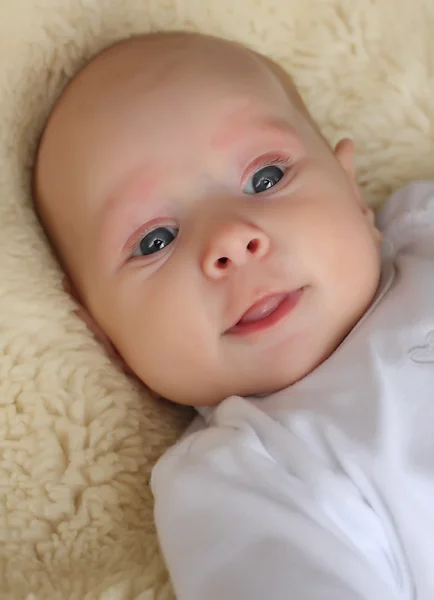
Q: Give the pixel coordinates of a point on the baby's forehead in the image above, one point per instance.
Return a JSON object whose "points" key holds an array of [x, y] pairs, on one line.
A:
{"points": [[121, 79], [117, 82], [161, 64]]}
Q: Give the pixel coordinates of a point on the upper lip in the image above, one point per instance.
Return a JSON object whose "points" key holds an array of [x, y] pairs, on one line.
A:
{"points": [[257, 299]]}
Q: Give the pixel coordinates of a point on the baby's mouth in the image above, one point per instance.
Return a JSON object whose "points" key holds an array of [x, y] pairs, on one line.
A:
{"points": [[266, 312], [261, 310]]}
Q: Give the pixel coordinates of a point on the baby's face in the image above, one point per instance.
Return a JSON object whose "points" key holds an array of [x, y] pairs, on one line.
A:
{"points": [[213, 235]]}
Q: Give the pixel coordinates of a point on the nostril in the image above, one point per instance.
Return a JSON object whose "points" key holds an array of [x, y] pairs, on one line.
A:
{"points": [[222, 262], [253, 245]]}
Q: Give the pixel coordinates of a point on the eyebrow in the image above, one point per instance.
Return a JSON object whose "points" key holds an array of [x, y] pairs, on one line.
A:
{"points": [[236, 126], [121, 210]]}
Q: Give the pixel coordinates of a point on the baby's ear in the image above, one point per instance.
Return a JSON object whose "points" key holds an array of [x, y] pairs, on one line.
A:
{"points": [[82, 312], [344, 152]]}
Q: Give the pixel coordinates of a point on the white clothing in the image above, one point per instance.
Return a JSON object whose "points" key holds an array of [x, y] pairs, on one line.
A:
{"points": [[324, 490]]}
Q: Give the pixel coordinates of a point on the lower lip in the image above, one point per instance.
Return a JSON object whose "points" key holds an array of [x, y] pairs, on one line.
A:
{"points": [[285, 307]]}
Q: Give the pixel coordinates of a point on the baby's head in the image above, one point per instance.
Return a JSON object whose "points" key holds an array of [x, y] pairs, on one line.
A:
{"points": [[206, 226]]}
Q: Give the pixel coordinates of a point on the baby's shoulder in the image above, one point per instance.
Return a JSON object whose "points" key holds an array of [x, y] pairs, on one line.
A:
{"points": [[407, 217], [413, 199]]}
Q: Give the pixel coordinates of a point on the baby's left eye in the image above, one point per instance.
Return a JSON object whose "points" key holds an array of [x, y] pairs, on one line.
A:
{"points": [[264, 179]]}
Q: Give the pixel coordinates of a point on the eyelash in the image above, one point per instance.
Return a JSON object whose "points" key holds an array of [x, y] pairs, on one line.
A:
{"points": [[132, 244], [267, 161]]}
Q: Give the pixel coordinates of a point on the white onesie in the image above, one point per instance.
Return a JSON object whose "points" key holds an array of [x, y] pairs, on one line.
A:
{"points": [[324, 490]]}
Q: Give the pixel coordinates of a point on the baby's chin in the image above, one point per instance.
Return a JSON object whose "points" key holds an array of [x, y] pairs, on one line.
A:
{"points": [[248, 392], [273, 389], [281, 379], [286, 381]]}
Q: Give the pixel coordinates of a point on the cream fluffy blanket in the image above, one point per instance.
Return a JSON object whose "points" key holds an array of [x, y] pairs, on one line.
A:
{"points": [[77, 438]]}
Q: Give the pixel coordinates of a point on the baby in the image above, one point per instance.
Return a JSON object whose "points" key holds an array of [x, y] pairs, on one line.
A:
{"points": [[221, 247]]}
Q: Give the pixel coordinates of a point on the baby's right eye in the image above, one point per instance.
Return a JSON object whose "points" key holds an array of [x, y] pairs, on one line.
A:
{"points": [[155, 240]]}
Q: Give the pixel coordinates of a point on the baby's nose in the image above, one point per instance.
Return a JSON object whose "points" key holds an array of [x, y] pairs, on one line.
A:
{"points": [[232, 246]]}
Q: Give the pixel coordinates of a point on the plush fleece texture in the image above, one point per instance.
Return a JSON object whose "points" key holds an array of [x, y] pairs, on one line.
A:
{"points": [[78, 439]]}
